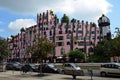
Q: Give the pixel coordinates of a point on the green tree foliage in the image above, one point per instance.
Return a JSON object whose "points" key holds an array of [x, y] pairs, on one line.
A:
{"points": [[117, 31], [73, 20], [101, 52], [107, 49], [65, 19], [64, 56], [22, 29], [93, 24], [116, 43], [42, 48], [4, 51], [76, 54]]}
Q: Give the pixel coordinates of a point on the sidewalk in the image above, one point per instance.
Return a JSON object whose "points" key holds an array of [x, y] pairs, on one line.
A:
{"points": [[17, 75]]}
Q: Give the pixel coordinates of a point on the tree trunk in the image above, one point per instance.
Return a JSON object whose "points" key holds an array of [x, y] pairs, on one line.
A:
{"points": [[41, 74]]}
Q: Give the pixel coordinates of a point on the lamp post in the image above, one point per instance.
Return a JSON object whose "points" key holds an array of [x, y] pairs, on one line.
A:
{"points": [[71, 40], [85, 46], [54, 31], [85, 49]]}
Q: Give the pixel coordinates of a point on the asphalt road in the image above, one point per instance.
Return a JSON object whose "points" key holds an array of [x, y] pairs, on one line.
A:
{"points": [[17, 75]]}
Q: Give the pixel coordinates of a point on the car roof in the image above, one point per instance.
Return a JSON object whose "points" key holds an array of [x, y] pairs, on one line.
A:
{"points": [[111, 63], [70, 64]]}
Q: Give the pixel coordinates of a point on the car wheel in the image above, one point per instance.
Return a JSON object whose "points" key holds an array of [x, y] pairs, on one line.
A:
{"points": [[103, 74], [63, 72]]}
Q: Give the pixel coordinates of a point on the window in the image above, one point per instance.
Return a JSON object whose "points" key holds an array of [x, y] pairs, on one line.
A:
{"points": [[69, 32], [74, 31], [79, 26], [80, 43], [93, 32], [80, 31], [46, 28], [98, 37], [88, 43], [62, 51], [51, 38], [50, 32], [90, 49], [59, 43], [87, 37], [68, 36], [68, 43], [80, 38], [66, 30], [93, 37], [59, 38], [44, 33], [67, 65], [60, 32], [81, 49]]}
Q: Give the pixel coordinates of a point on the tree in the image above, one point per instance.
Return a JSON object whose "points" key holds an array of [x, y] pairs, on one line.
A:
{"points": [[64, 57], [41, 48], [107, 49], [65, 19], [4, 51], [116, 43], [104, 50], [117, 31], [73, 20], [22, 29], [93, 24], [76, 54]]}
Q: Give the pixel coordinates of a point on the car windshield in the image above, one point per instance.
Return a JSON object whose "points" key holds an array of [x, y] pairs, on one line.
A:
{"points": [[74, 65], [118, 64], [51, 65], [32, 65]]}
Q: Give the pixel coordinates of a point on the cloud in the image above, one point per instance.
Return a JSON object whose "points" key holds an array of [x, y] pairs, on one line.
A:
{"points": [[82, 9], [16, 25]]}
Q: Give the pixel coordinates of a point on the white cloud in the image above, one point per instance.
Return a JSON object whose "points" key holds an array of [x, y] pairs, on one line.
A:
{"points": [[16, 25], [88, 10]]}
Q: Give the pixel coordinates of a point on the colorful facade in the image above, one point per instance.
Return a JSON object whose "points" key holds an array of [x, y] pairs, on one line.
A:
{"points": [[67, 36]]}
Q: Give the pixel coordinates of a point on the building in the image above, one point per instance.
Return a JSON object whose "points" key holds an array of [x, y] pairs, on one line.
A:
{"points": [[67, 36], [104, 25]]}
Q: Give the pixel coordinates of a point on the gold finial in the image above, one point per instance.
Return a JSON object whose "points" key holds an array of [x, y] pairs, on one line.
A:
{"points": [[103, 15], [51, 11]]}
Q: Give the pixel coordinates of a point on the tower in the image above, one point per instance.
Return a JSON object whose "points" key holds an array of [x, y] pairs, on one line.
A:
{"points": [[104, 25]]}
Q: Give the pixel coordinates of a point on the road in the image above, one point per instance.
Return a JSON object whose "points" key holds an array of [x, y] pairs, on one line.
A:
{"points": [[17, 75]]}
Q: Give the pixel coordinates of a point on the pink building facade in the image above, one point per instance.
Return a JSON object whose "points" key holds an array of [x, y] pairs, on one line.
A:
{"points": [[67, 36]]}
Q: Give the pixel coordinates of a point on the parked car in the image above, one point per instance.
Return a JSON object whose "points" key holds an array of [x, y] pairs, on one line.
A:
{"points": [[112, 69], [72, 69], [29, 67], [2, 66], [13, 66], [50, 68]]}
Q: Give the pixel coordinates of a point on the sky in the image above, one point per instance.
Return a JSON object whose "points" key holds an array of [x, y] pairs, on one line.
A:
{"points": [[15, 14]]}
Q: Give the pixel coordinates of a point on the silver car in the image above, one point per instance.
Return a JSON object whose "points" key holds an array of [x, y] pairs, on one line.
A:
{"points": [[110, 69], [72, 69]]}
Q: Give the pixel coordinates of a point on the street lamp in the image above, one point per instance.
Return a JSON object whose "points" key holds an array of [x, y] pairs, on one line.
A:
{"points": [[54, 32], [71, 40], [85, 52]]}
